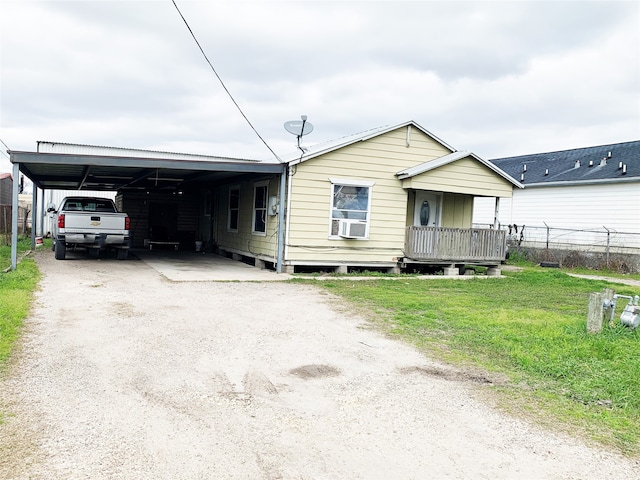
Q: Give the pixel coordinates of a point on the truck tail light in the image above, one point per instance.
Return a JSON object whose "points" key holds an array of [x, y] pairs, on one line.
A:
{"points": [[127, 223], [61, 220]]}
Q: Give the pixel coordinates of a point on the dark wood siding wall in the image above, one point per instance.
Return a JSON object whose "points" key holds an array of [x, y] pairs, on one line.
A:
{"points": [[181, 223]]}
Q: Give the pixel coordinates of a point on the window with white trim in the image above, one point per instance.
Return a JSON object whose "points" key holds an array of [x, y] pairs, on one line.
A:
{"points": [[234, 209], [260, 192], [350, 208]]}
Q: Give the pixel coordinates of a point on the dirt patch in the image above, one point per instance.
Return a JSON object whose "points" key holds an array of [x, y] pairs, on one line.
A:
{"points": [[315, 371]]}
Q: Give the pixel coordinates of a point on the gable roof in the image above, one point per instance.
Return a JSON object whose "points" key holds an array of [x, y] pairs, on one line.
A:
{"points": [[616, 162], [326, 147], [450, 158]]}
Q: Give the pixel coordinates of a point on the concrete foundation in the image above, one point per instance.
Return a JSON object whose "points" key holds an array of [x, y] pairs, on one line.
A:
{"points": [[451, 271], [494, 272]]}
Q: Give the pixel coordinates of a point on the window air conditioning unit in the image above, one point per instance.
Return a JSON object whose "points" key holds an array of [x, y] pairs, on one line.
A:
{"points": [[352, 229]]}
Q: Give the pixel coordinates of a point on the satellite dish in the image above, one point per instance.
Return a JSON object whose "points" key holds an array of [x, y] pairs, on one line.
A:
{"points": [[298, 127]]}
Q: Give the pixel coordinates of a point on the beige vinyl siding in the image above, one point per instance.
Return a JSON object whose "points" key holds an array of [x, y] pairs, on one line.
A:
{"points": [[457, 210], [244, 241], [377, 160], [464, 176]]}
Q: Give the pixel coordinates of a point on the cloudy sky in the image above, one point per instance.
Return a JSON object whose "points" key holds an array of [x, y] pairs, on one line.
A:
{"points": [[498, 78]]}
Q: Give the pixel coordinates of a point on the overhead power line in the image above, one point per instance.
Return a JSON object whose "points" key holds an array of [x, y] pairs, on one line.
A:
{"points": [[6, 146], [221, 82]]}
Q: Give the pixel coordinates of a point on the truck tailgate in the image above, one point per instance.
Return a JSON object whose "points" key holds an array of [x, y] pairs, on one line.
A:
{"points": [[95, 221]]}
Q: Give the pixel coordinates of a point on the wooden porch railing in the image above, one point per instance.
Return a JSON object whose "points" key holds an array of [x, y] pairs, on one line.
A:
{"points": [[455, 244]]}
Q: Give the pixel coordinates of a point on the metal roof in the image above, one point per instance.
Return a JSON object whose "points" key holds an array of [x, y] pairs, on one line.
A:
{"points": [[65, 171], [617, 162]]}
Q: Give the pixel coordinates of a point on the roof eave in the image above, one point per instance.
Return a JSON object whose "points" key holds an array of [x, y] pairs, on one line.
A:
{"points": [[582, 182], [178, 164], [369, 136]]}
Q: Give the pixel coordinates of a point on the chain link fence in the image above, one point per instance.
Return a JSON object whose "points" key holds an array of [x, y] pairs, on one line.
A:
{"points": [[588, 247], [604, 240], [24, 222]]}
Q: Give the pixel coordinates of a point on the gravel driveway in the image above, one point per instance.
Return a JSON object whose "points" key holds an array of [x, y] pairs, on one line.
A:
{"points": [[123, 374]]}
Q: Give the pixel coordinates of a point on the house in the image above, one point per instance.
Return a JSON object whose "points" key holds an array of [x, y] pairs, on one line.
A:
{"points": [[6, 189], [6, 204], [390, 198], [588, 197]]}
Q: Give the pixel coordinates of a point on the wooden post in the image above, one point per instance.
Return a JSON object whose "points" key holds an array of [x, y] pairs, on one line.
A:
{"points": [[594, 316], [607, 295]]}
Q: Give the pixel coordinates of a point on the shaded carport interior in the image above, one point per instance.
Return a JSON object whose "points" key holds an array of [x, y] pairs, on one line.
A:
{"points": [[130, 174]]}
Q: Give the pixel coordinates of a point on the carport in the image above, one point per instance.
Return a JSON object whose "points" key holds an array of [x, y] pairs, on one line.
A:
{"points": [[170, 174]]}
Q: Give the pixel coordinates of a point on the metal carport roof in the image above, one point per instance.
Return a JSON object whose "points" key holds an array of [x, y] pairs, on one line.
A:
{"points": [[62, 171], [59, 171]]}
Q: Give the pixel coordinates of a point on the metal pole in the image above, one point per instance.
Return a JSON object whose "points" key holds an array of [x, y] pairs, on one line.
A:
{"points": [[281, 219], [14, 216], [608, 243], [545, 224], [34, 216]]}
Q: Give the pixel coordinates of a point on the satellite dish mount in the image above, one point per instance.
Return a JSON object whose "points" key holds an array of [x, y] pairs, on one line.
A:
{"points": [[299, 129]]}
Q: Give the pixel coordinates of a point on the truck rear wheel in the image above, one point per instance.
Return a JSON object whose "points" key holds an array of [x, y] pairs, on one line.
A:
{"points": [[60, 250]]}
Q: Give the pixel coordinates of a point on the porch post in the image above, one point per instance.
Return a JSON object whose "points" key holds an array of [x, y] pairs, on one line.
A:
{"points": [[281, 219], [496, 215], [14, 216]]}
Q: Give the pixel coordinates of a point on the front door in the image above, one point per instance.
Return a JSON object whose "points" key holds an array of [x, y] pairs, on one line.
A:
{"points": [[427, 210]]}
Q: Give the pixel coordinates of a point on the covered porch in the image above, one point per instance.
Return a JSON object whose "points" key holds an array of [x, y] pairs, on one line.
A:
{"points": [[439, 228]]}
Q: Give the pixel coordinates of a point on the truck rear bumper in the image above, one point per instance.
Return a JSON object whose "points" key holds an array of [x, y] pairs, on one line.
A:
{"points": [[100, 240]]}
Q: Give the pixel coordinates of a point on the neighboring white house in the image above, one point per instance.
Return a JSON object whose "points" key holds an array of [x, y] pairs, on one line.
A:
{"points": [[586, 196]]}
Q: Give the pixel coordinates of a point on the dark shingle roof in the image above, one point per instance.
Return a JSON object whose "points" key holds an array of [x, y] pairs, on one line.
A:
{"points": [[580, 165]]}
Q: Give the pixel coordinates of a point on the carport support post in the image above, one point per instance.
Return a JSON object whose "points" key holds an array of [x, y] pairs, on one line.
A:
{"points": [[14, 216], [34, 216], [283, 183]]}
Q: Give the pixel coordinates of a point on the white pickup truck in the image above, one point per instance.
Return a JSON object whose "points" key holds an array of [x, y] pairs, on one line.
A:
{"points": [[90, 223]]}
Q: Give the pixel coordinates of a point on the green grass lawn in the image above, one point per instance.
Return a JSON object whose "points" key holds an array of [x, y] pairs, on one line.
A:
{"points": [[530, 327], [16, 293]]}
